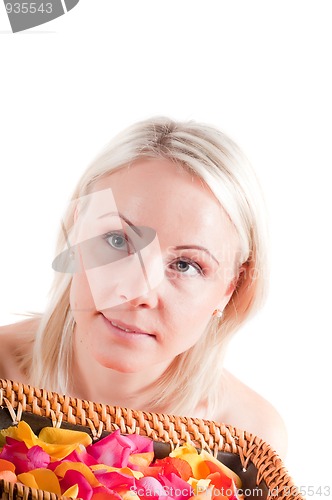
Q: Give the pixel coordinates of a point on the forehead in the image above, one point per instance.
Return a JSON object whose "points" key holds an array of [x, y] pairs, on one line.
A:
{"points": [[177, 204]]}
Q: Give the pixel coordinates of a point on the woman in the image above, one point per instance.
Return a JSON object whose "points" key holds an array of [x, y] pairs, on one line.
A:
{"points": [[161, 258]]}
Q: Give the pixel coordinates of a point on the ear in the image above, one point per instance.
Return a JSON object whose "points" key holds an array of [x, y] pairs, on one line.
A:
{"points": [[233, 285]]}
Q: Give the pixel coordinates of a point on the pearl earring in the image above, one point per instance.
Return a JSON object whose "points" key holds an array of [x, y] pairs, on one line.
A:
{"points": [[218, 313]]}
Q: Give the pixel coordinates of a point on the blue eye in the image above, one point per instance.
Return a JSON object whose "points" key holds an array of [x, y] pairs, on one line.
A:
{"points": [[118, 241], [187, 267]]}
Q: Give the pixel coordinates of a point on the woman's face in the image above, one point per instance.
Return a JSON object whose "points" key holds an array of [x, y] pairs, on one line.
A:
{"points": [[157, 255]]}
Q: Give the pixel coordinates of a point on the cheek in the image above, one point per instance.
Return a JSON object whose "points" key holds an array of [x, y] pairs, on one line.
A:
{"points": [[81, 299], [190, 309], [186, 323]]}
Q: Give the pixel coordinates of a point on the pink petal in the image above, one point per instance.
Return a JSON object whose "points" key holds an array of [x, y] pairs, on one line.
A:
{"points": [[142, 443], [16, 452], [175, 486], [74, 477], [23, 458], [115, 449], [115, 479], [38, 458], [102, 492], [82, 456], [147, 487]]}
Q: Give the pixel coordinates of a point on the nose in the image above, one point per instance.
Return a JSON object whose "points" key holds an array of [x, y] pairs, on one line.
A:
{"points": [[133, 279], [141, 281], [148, 300]]}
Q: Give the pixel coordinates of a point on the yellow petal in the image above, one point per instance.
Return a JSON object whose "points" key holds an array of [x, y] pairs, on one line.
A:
{"points": [[46, 480], [199, 485], [27, 479], [185, 449], [54, 435], [72, 492], [58, 443], [79, 466], [21, 432]]}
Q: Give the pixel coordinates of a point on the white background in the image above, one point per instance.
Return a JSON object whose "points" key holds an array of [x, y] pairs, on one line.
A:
{"points": [[259, 70]]}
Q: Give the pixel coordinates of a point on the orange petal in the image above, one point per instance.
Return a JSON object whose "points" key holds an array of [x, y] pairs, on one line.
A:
{"points": [[214, 461], [6, 465], [144, 459], [27, 479], [46, 480], [189, 453]]}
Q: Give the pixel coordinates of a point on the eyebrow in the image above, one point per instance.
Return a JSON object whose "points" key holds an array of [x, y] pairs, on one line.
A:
{"points": [[137, 231], [196, 247], [127, 221]]}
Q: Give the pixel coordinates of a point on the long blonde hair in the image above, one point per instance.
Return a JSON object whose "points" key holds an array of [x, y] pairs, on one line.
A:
{"points": [[195, 375]]}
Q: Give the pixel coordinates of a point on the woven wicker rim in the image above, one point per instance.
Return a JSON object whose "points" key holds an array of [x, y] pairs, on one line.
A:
{"points": [[175, 430]]}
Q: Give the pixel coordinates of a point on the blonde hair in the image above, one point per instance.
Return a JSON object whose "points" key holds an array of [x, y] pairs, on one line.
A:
{"points": [[194, 376]]}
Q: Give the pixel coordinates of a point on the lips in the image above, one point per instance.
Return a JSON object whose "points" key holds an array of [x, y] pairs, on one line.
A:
{"points": [[125, 327]]}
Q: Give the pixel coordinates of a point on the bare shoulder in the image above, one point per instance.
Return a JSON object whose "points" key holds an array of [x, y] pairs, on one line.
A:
{"points": [[16, 342], [249, 411]]}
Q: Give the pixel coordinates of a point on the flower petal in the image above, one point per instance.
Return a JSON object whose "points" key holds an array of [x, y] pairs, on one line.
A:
{"points": [[23, 458], [176, 466], [57, 450], [176, 487], [55, 435], [115, 479], [37, 458], [21, 432], [73, 477], [78, 466], [6, 465], [123, 470], [103, 493], [81, 455], [71, 492], [46, 480], [214, 465], [189, 453], [144, 459], [27, 479], [115, 449], [150, 487]]}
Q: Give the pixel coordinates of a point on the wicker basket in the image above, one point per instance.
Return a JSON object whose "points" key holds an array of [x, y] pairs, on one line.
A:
{"points": [[261, 470]]}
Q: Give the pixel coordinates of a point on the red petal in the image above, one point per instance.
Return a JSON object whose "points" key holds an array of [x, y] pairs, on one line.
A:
{"points": [[176, 466]]}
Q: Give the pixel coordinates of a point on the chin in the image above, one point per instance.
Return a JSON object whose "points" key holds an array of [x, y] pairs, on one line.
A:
{"points": [[119, 365]]}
